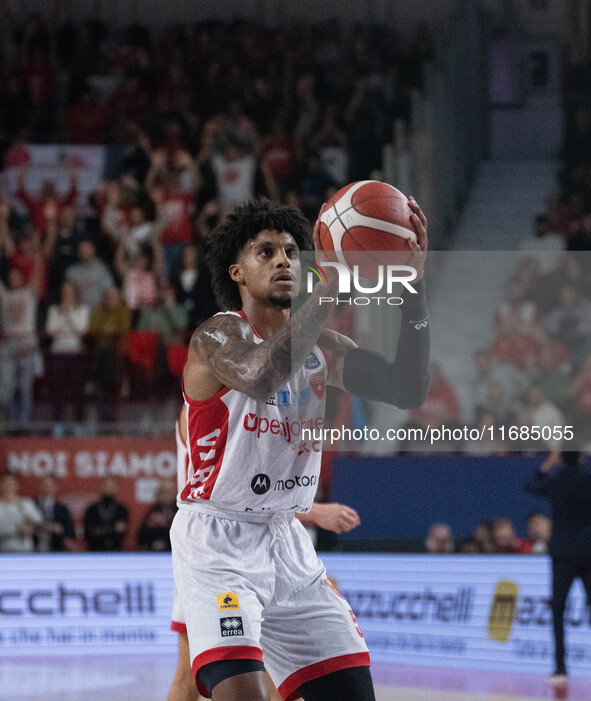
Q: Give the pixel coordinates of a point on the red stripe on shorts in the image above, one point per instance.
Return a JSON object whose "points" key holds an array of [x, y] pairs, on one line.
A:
{"points": [[288, 689], [217, 654]]}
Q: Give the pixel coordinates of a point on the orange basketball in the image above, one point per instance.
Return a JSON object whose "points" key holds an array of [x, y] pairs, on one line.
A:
{"points": [[367, 223]]}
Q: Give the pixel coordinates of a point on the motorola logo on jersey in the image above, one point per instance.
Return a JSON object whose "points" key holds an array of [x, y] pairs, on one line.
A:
{"points": [[295, 481], [260, 484]]}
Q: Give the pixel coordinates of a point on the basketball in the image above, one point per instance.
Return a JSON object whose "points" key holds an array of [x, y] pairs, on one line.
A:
{"points": [[367, 223]]}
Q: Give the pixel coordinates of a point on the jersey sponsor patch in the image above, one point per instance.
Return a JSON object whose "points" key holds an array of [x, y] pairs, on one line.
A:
{"points": [[260, 483], [317, 384], [228, 600], [311, 362], [231, 626]]}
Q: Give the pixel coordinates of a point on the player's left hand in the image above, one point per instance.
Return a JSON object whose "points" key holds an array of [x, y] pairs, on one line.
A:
{"points": [[336, 517], [316, 233], [419, 248]]}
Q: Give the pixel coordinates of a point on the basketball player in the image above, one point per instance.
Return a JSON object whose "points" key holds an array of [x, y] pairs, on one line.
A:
{"points": [[248, 578], [333, 517]]}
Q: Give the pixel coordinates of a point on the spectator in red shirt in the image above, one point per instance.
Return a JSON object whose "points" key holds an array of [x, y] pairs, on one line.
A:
{"points": [[172, 184], [441, 407], [39, 82], [139, 278], [130, 101], [512, 345], [516, 303], [279, 154], [505, 539], [36, 206], [570, 322], [113, 209], [24, 253], [87, 120]]}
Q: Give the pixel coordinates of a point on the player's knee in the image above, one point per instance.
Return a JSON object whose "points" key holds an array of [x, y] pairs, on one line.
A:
{"points": [[227, 680], [353, 684]]}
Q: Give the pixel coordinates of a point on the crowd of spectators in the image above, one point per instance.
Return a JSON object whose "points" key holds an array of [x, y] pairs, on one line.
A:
{"points": [[194, 119], [495, 537], [45, 524], [536, 372]]}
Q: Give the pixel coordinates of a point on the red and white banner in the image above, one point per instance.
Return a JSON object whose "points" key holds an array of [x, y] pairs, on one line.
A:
{"points": [[81, 463], [55, 162]]}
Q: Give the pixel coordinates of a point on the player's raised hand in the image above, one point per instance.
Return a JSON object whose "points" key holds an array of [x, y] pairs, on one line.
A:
{"points": [[334, 517], [419, 221], [419, 247], [316, 233]]}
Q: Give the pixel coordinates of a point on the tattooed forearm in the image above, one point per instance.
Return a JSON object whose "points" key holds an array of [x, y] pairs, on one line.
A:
{"points": [[289, 347], [280, 357], [225, 343]]}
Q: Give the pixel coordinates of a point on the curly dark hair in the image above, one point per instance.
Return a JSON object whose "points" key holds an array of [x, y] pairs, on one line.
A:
{"points": [[242, 225]]}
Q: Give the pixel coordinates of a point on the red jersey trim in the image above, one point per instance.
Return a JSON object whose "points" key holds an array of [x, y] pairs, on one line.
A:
{"points": [[204, 402], [218, 654], [219, 414], [290, 686], [178, 627], [243, 315]]}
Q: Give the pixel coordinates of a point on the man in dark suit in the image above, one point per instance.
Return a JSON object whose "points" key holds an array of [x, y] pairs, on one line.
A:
{"points": [[56, 533], [567, 483], [106, 521]]}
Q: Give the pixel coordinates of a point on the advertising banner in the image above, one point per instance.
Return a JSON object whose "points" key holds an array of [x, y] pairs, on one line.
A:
{"points": [[470, 612], [85, 604]]}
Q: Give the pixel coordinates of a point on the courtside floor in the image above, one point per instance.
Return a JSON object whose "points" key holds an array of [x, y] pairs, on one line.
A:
{"points": [[147, 677]]}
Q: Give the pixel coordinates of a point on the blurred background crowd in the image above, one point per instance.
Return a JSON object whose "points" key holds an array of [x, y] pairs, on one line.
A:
{"points": [[101, 288], [44, 523], [106, 291]]}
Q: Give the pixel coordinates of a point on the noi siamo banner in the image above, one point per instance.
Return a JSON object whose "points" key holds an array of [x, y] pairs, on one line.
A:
{"points": [[463, 611]]}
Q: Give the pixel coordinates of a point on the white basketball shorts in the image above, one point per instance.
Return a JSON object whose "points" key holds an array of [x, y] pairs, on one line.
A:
{"points": [[252, 587], [177, 622]]}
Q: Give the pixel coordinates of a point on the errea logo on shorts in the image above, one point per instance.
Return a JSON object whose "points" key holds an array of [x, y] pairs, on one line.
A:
{"points": [[228, 600], [231, 626]]}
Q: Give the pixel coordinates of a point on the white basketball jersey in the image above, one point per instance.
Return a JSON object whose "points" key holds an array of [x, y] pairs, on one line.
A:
{"points": [[246, 454], [182, 462]]}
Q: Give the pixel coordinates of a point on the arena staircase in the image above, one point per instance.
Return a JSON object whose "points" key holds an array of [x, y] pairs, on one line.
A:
{"points": [[470, 279]]}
